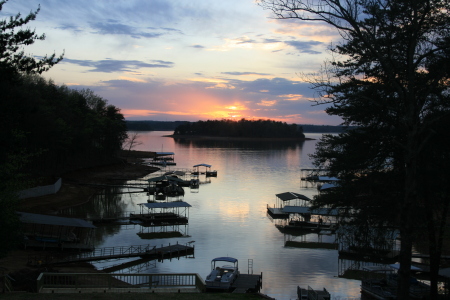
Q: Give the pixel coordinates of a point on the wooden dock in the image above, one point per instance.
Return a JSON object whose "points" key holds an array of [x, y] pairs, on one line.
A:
{"points": [[142, 251], [309, 294], [245, 283], [277, 213]]}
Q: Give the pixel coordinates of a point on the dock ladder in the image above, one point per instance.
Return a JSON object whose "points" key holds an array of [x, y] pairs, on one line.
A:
{"points": [[250, 266]]}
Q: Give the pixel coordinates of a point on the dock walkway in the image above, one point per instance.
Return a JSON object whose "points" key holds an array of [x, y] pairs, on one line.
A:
{"points": [[143, 251]]}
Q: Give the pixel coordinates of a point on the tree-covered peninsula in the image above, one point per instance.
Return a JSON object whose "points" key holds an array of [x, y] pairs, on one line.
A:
{"points": [[46, 130], [240, 129]]}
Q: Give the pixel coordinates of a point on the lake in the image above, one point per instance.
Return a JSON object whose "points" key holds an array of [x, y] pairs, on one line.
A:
{"points": [[229, 217]]}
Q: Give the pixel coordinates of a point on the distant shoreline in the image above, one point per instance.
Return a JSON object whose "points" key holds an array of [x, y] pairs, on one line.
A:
{"points": [[232, 138]]}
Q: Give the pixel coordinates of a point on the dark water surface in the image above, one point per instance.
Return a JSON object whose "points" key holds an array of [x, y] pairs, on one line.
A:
{"points": [[228, 216]]}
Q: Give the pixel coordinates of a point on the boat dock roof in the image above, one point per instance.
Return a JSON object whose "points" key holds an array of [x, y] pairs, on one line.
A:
{"points": [[202, 165], [291, 196]]}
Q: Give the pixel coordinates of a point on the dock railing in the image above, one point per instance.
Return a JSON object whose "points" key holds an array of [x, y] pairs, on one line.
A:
{"points": [[101, 282]]}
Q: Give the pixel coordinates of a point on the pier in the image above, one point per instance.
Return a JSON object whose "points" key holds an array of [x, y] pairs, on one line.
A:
{"points": [[142, 251], [246, 283]]}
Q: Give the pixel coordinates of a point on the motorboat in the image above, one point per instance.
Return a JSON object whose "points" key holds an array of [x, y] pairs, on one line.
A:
{"points": [[224, 271]]}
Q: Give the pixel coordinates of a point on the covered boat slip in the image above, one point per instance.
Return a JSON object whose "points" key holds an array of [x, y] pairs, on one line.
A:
{"points": [[166, 185], [200, 169], [322, 224], [298, 216], [163, 159], [54, 231], [277, 211], [176, 212]]}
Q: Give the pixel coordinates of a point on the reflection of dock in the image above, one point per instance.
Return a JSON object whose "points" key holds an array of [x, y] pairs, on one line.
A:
{"points": [[128, 265], [310, 294]]}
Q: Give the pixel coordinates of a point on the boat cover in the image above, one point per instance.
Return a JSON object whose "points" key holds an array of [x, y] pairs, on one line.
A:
{"points": [[164, 153], [225, 258], [165, 177], [291, 196]]}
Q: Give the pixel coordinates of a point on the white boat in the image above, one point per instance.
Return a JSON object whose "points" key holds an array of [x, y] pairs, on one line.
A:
{"points": [[222, 276]]}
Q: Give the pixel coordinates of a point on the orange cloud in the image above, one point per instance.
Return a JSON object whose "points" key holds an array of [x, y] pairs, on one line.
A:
{"points": [[293, 97], [131, 79], [267, 102]]}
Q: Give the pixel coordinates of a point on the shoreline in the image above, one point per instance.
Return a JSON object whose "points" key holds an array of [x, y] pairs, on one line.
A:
{"points": [[76, 189], [249, 139]]}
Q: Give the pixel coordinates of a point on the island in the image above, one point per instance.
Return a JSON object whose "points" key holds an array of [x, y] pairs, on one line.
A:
{"points": [[239, 130]]}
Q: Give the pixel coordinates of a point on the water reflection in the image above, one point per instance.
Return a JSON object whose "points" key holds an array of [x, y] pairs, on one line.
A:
{"points": [[228, 216], [227, 144]]}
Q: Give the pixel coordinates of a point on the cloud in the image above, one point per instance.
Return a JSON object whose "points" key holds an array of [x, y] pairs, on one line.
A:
{"points": [[270, 41], [275, 86], [198, 46], [245, 73], [115, 28], [154, 99], [304, 47], [111, 65], [69, 27]]}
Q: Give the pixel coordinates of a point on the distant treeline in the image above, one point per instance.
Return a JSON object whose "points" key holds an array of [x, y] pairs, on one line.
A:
{"points": [[153, 125], [324, 128], [241, 128], [171, 125]]}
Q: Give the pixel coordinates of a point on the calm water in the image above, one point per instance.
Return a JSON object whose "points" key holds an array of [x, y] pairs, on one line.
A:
{"points": [[228, 216]]}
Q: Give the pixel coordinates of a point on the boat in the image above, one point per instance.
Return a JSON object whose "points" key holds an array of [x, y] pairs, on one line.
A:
{"points": [[222, 276]]}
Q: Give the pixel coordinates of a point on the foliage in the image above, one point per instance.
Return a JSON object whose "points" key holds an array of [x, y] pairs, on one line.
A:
{"points": [[390, 78], [139, 126], [64, 129], [241, 128], [13, 59], [15, 152]]}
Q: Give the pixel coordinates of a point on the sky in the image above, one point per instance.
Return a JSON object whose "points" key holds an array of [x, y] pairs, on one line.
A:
{"points": [[184, 60]]}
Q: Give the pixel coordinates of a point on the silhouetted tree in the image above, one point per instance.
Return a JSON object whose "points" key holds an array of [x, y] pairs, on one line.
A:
{"points": [[392, 81]]}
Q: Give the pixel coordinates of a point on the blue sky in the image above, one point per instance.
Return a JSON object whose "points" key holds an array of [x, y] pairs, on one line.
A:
{"points": [[184, 60]]}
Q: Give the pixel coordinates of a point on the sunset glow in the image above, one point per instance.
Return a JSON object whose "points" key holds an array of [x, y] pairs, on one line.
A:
{"points": [[169, 61]]}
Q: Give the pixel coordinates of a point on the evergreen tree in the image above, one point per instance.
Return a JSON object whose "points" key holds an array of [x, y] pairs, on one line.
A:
{"points": [[391, 80]]}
